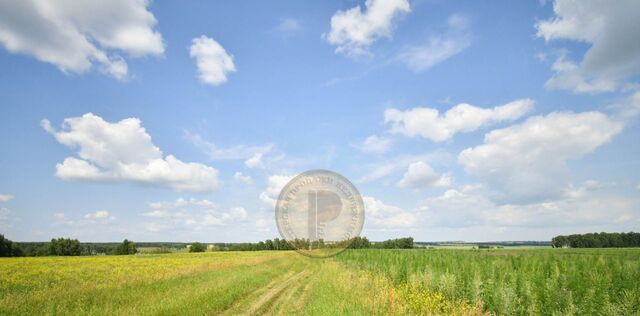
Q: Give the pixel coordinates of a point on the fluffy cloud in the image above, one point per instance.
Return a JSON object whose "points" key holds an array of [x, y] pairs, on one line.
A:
{"points": [[190, 214], [386, 217], [237, 213], [611, 28], [275, 183], [375, 144], [421, 175], [238, 176], [354, 30], [212, 60], [393, 165], [528, 162], [6, 197], [73, 35], [123, 151], [455, 209], [438, 47], [429, 123]]}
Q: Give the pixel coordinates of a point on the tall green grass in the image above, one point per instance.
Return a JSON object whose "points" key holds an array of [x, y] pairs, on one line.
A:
{"points": [[522, 282]]}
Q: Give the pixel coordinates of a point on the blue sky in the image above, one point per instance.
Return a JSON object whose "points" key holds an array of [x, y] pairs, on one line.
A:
{"points": [[475, 120]]}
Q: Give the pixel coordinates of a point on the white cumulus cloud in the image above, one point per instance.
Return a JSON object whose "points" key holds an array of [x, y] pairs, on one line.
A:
{"points": [[455, 209], [421, 175], [275, 184], [6, 197], [386, 217], [611, 29], [212, 60], [74, 35], [123, 151], [354, 30], [528, 162], [429, 123]]}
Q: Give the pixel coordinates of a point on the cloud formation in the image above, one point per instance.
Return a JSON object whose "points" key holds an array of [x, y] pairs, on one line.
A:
{"points": [[381, 216], [462, 118], [354, 30], [239, 177], [439, 47], [123, 151], [191, 214], [212, 60], [421, 175], [98, 215], [528, 162], [375, 144], [611, 29], [288, 26], [75, 35], [6, 197], [458, 209], [236, 152], [275, 183]]}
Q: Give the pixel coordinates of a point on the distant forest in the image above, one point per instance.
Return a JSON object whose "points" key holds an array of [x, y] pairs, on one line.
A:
{"points": [[73, 247], [597, 240]]}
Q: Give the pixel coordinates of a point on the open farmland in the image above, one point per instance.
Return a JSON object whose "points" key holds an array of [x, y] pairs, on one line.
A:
{"points": [[434, 281]]}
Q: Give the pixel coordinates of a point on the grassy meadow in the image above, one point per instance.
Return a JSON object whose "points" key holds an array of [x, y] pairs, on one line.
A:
{"points": [[356, 282]]}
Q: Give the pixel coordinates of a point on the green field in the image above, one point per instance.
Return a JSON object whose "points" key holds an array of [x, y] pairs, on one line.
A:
{"points": [[358, 282]]}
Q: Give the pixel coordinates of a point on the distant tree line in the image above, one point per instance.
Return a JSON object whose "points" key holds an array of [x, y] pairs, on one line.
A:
{"points": [[281, 244], [63, 247], [597, 240], [275, 244], [400, 243], [73, 247]]}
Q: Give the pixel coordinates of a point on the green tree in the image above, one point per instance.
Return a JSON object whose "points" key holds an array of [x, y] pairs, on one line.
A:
{"points": [[64, 247], [597, 240], [197, 247], [125, 248], [9, 248]]}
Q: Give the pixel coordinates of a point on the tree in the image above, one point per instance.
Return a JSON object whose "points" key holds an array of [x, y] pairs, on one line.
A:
{"points": [[64, 247], [597, 240], [125, 248], [197, 247], [400, 243], [9, 248], [360, 243]]}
